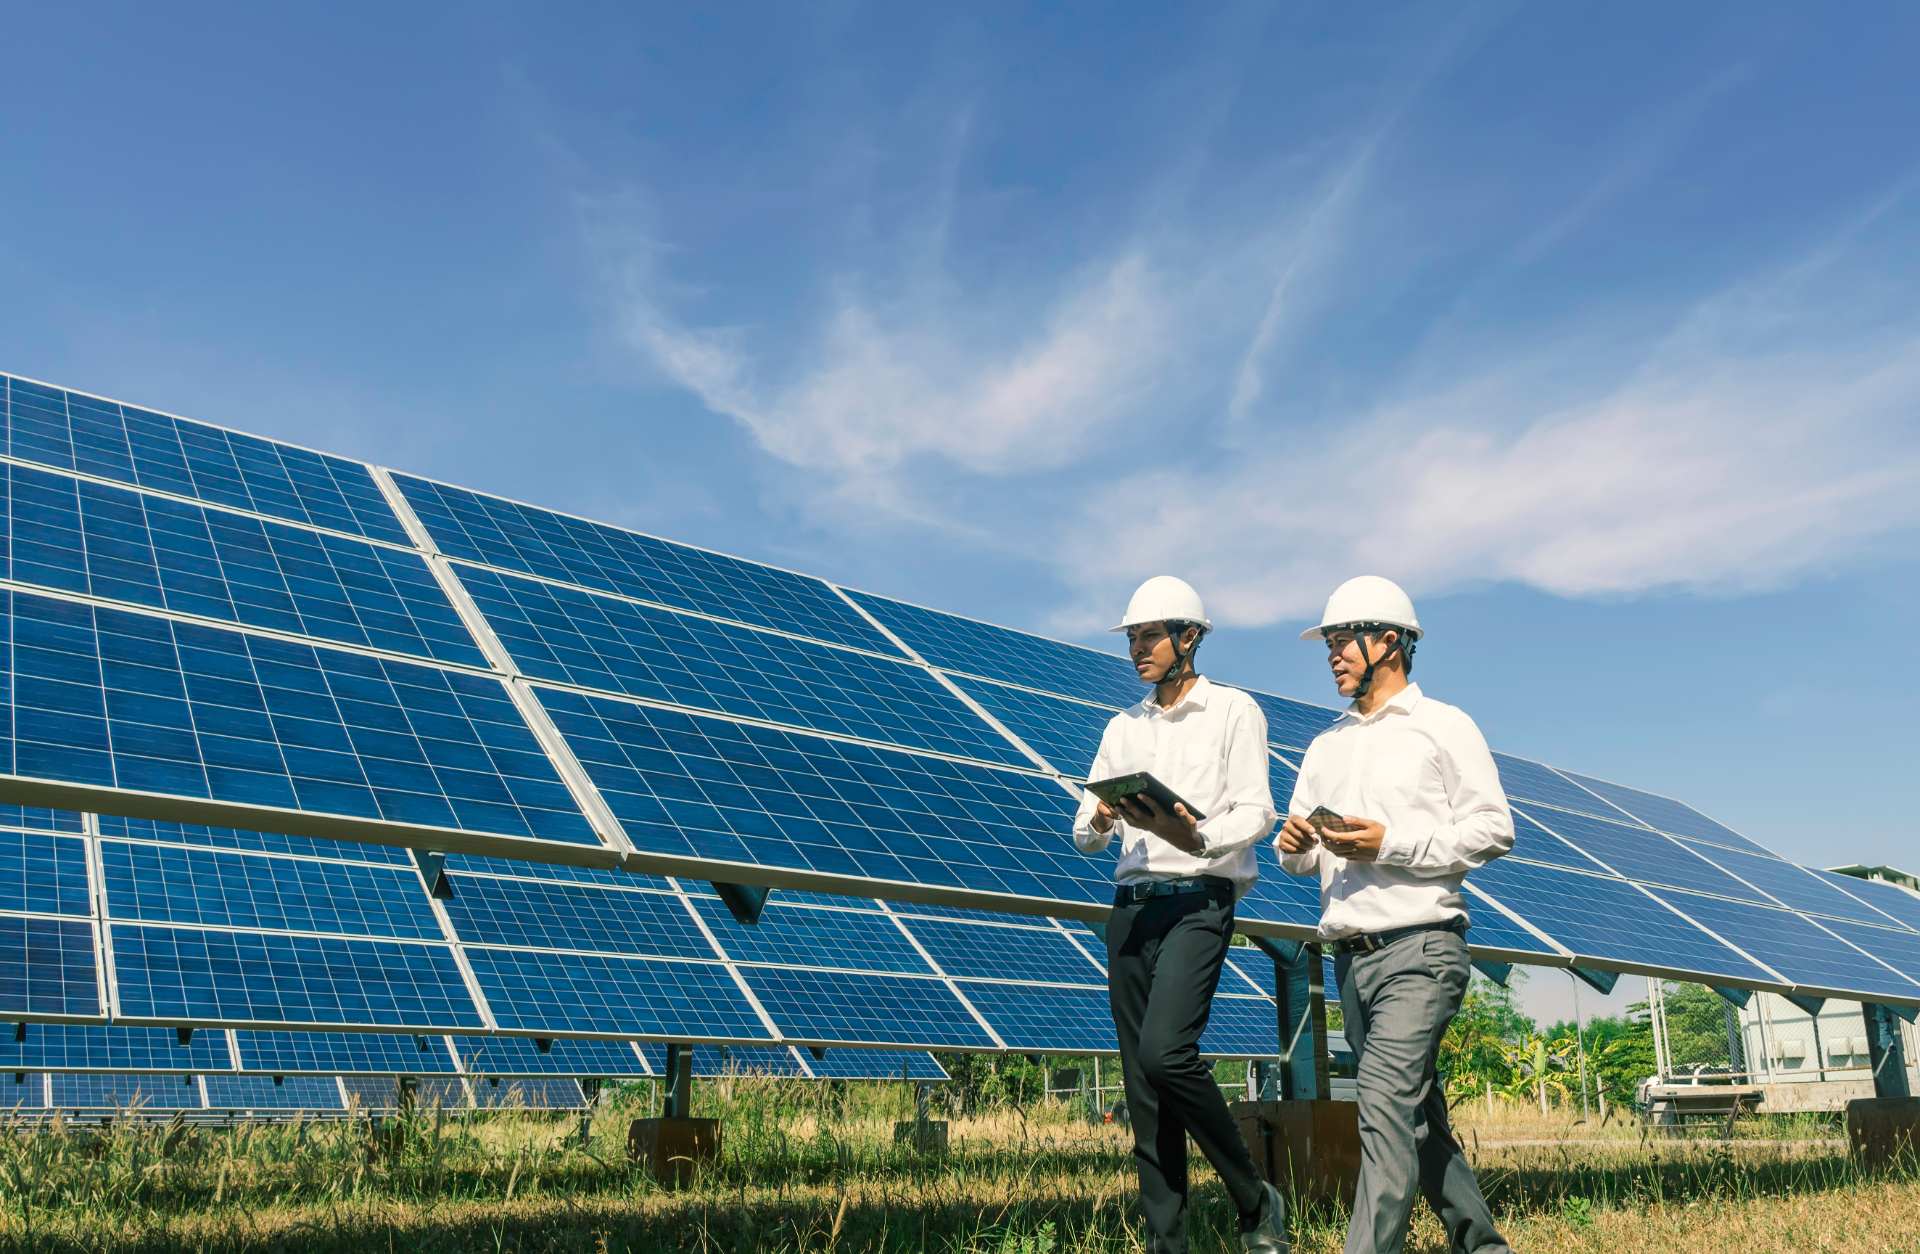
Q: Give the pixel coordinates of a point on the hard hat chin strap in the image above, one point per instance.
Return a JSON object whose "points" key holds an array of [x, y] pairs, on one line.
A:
{"points": [[1364, 634], [1182, 658]]}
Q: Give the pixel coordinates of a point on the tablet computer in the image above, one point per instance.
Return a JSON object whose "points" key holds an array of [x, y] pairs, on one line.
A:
{"points": [[1141, 783]]}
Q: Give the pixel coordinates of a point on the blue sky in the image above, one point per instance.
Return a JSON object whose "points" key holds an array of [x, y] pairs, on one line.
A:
{"points": [[1594, 325]]}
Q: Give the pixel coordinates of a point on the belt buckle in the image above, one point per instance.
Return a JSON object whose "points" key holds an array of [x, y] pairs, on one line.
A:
{"points": [[1137, 893], [1367, 943]]}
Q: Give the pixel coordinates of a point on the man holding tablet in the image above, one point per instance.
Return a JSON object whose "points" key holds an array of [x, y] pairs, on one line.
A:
{"points": [[1186, 771], [1396, 802]]}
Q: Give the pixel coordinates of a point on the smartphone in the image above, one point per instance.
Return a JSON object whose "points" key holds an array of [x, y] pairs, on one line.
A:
{"points": [[1324, 820], [1141, 784]]}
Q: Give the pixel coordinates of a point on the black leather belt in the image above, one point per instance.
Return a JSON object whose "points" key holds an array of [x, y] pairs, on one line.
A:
{"points": [[1144, 890], [1373, 942]]}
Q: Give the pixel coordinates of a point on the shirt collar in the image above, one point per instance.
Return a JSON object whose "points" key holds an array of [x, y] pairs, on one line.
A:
{"points": [[1196, 698], [1401, 702]]}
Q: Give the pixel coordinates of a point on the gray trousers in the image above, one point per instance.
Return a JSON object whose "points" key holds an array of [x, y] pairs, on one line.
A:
{"points": [[1398, 1002]]}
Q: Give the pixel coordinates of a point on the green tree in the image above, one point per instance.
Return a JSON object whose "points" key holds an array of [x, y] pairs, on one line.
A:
{"points": [[1473, 1054]]}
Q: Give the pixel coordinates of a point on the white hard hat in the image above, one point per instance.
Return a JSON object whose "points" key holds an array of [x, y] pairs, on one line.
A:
{"points": [[1367, 599], [1162, 599]]}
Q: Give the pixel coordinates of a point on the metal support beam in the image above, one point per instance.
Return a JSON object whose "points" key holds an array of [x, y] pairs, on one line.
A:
{"points": [[744, 901], [1301, 1012], [678, 1099], [1498, 972], [433, 869], [1603, 981], [1738, 996], [183, 1036], [1886, 1052]]}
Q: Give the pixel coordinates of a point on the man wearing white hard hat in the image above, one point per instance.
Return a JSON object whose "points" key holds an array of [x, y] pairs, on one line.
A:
{"points": [[1179, 874], [1418, 804]]}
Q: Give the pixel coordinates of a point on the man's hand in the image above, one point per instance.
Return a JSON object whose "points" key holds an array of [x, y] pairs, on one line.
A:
{"points": [[1103, 819], [1359, 843], [1296, 835], [1177, 828]]}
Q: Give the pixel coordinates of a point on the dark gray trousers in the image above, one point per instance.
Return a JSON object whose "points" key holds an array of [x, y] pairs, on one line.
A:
{"points": [[1163, 961], [1398, 1002]]}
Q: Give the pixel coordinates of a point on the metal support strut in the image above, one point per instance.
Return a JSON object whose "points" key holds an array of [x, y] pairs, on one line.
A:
{"points": [[677, 1099]]}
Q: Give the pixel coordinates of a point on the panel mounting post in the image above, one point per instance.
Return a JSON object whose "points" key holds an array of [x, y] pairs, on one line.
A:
{"points": [[1301, 1015], [544, 1044], [19, 1034], [744, 901], [1886, 1052], [678, 1098]]}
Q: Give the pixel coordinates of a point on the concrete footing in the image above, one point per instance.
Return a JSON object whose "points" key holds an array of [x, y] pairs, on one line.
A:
{"points": [[1308, 1149], [673, 1149], [1883, 1130]]}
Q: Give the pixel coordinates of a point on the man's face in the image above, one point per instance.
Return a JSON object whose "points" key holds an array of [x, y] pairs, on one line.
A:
{"points": [[1348, 654], [1152, 651]]}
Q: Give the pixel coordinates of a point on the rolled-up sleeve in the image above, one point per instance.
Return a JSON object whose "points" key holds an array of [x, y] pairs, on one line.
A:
{"points": [[1248, 813], [1480, 824], [1085, 839]]}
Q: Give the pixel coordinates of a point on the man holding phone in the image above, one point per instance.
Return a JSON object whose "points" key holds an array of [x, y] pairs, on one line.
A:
{"points": [[1178, 878], [1395, 803]]}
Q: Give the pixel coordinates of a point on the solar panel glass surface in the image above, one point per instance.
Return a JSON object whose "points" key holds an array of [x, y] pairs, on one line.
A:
{"points": [[804, 936], [876, 1064], [121, 545], [91, 1047], [178, 884], [602, 642], [987, 952], [981, 649], [47, 968], [544, 914], [113, 699], [184, 975], [520, 1056], [1034, 1018], [1525, 780], [604, 995], [1793, 885], [1807, 955], [260, 1092], [1640, 853], [71, 431], [44, 874], [250, 841], [496, 532], [1066, 733], [336, 1053], [1667, 814], [125, 1092], [1293, 724], [860, 1008]]}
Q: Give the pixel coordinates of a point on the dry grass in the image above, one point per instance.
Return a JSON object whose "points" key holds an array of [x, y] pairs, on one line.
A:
{"points": [[803, 1173]]}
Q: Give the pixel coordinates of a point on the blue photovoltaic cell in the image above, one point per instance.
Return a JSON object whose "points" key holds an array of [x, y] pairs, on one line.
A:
{"points": [[122, 545], [876, 1064], [41, 819], [722, 1060], [1529, 781], [183, 976], [1640, 853], [1666, 814], [372, 1092], [982, 951], [181, 884], [89, 1047], [498, 532], [251, 842], [336, 1053], [122, 700], [1255, 969], [689, 786], [1800, 951], [96, 437], [1891, 900], [519, 1056], [1293, 724], [1066, 733], [479, 864], [546, 914], [1035, 1019], [800, 936], [47, 967], [1277, 897], [22, 1091], [591, 993], [42, 874], [125, 1092], [550, 1093], [259, 1092], [1897, 947], [844, 1006], [1488, 929], [1536, 844], [1242, 1027], [1610, 921], [595, 641], [1018, 657], [1793, 885]]}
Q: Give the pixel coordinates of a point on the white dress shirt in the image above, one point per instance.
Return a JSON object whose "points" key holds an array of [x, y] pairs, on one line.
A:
{"points": [[1420, 768], [1210, 747]]}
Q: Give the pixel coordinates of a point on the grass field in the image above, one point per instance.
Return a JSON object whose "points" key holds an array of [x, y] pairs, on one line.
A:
{"points": [[808, 1168]]}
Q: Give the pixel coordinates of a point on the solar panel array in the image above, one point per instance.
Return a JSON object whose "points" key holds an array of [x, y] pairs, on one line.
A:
{"points": [[205, 625]]}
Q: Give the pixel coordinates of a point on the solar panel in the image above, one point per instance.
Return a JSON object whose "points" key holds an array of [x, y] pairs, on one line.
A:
{"points": [[1034, 1018], [247, 841], [177, 884], [336, 1053], [109, 699], [856, 1008], [1793, 885], [1894, 902], [988, 652], [1530, 781], [876, 1064], [260, 1092], [805, 936], [601, 995], [1241, 1027], [518, 1056], [1666, 814], [40, 819], [121, 545], [992, 952], [549, 1093], [539, 914], [125, 1092], [601, 642], [1640, 853], [1811, 957], [1064, 732], [41, 874], [1293, 724], [47, 969], [91, 1047], [72, 431], [1605, 922], [495, 532], [185, 975]]}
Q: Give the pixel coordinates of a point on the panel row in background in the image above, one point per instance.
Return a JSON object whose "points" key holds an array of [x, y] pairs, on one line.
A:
{"points": [[848, 790], [96, 1095], [103, 1049], [222, 928]]}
